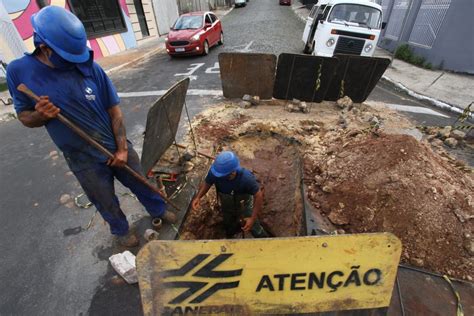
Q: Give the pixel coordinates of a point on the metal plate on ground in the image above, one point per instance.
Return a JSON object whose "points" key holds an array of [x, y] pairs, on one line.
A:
{"points": [[268, 276], [303, 77], [247, 73], [356, 77], [162, 124]]}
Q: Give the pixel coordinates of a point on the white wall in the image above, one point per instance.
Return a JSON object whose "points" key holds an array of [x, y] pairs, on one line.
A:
{"points": [[166, 13]]}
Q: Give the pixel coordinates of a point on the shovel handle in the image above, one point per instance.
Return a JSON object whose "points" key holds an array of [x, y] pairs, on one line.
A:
{"points": [[23, 88]]}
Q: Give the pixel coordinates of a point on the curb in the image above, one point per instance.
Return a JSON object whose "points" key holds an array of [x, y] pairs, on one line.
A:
{"points": [[153, 52], [421, 97]]}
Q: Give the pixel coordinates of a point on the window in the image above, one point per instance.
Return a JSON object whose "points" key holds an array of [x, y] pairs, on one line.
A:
{"points": [[208, 19], [188, 22], [356, 15], [312, 14], [213, 17], [100, 17]]}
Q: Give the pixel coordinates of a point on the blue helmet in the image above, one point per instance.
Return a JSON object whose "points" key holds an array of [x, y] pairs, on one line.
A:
{"points": [[226, 163], [63, 32]]}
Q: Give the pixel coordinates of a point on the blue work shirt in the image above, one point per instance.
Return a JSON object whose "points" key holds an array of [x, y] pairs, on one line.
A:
{"points": [[83, 93], [244, 183]]}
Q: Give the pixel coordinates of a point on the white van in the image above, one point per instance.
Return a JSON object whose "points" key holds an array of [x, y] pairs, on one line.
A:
{"points": [[343, 27]]}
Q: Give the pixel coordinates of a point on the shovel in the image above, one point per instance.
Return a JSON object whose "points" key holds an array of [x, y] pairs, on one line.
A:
{"points": [[23, 88]]}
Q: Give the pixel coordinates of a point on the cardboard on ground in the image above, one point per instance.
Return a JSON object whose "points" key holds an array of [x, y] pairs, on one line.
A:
{"points": [[279, 275]]}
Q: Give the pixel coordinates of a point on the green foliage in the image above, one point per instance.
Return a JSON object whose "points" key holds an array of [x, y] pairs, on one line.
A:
{"points": [[404, 52], [3, 86]]}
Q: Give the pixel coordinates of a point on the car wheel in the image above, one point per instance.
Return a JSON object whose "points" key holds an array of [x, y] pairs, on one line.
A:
{"points": [[205, 50], [221, 40]]}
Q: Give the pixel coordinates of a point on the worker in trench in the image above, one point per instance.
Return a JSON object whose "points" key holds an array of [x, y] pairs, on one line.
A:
{"points": [[239, 194], [62, 70]]}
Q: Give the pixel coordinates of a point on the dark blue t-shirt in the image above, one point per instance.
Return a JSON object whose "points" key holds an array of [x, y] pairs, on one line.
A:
{"points": [[84, 94], [244, 183]]}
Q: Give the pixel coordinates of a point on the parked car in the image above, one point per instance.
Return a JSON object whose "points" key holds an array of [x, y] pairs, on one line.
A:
{"points": [[285, 2], [194, 34], [240, 3]]}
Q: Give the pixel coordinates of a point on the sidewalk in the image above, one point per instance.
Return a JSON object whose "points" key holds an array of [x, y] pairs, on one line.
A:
{"points": [[443, 89]]}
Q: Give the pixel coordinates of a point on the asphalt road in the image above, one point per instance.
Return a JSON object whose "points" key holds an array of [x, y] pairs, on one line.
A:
{"points": [[50, 264]]}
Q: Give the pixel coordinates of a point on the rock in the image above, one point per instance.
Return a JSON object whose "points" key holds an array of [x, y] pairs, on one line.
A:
{"points": [[255, 100], [237, 113], [417, 262], [432, 130], [53, 153], [469, 278], [188, 166], [188, 155], [457, 134], [291, 108], [337, 217], [444, 132], [281, 177], [437, 142], [469, 246], [247, 98], [344, 102], [304, 107], [296, 102], [65, 198], [374, 120], [124, 264], [451, 142], [245, 104], [327, 189]]}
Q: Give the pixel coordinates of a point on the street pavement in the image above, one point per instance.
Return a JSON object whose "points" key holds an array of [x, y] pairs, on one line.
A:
{"points": [[50, 263]]}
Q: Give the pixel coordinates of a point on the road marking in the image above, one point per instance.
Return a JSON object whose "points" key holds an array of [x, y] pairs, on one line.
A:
{"points": [[245, 49], [191, 92], [409, 108], [213, 70], [191, 69]]}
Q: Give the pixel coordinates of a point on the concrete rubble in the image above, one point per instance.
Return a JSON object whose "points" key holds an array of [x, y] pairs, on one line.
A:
{"points": [[124, 264]]}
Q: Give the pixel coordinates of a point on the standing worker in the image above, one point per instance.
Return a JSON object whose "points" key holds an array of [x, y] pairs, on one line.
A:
{"points": [[62, 70], [239, 194]]}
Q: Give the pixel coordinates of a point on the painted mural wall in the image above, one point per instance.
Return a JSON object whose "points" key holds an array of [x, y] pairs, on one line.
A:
{"points": [[20, 12]]}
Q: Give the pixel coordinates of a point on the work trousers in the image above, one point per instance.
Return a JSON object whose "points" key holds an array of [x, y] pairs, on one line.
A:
{"points": [[235, 208], [97, 181]]}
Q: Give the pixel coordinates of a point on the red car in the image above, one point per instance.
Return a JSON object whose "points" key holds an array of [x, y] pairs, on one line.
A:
{"points": [[194, 33], [285, 2]]}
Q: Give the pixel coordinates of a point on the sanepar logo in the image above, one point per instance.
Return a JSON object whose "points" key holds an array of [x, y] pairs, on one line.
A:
{"points": [[206, 271]]}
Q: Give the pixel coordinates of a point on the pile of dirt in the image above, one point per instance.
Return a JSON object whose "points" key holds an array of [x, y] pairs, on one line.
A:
{"points": [[363, 173], [393, 183]]}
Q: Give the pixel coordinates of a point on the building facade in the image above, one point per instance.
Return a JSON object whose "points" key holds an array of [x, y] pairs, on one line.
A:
{"points": [[441, 31], [112, 26]]}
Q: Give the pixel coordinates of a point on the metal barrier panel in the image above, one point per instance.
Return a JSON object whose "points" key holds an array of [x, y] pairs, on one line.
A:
{"points": [[162, 124], [244, 73], [356, 77], [303, 77], [268, 276]]}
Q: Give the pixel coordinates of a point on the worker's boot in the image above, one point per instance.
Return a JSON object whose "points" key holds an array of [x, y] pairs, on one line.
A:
{"points": [[130, 240], [169, 217]]}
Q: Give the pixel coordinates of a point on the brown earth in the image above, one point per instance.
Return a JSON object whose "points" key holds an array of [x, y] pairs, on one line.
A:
{"points": [[393, 183], [363, 175], [276, 165]]}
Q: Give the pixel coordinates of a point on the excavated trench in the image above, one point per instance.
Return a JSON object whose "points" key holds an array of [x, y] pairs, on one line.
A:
{"points": [[275, 161]]}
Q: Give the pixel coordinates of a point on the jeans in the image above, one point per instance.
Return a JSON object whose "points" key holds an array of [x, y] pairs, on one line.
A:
{"points": [[235, 208], [97, 181]]}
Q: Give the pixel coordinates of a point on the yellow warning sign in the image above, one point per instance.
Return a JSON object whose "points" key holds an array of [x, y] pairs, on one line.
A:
{"points": [[279, 275]]}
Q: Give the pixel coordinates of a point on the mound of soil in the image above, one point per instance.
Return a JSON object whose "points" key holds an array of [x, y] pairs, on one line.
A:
{"points": [[393, 183]]}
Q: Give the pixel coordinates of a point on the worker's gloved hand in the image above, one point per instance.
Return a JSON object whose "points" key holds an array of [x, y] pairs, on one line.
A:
{"points": [[46, 108], [249, 221], [119, 160], [196, 203]]}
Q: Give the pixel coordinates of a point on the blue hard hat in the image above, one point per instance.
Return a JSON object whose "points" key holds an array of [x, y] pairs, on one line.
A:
{"points": [[63, 32], [226, 163]]}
